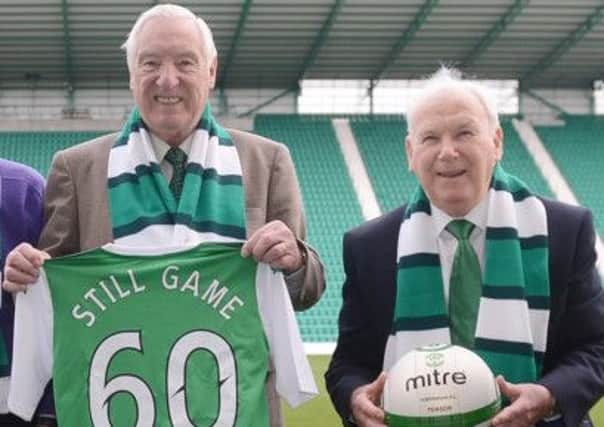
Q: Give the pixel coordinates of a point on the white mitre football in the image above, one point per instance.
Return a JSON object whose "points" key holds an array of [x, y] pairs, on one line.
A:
{"points": [[439, 386]]}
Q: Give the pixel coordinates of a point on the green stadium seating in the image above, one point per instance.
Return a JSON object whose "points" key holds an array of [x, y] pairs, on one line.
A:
{"points": [[578, 150], [518, 161], [381, 142], [37, 148], [330, 203]]}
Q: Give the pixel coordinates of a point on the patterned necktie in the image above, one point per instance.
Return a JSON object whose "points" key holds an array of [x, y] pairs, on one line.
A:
{"points": [[178, 159], [464, 286]]}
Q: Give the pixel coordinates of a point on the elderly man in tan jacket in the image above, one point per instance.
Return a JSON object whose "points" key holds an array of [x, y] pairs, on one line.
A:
{"points": [[173, 64]]}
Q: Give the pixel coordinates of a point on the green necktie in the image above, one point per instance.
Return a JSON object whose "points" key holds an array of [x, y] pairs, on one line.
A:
{"points": [[178, 159], [464, 286]]}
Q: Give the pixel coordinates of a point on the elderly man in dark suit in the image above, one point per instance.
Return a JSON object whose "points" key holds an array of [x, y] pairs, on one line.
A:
{"points": [[472, 259], [140, 187]]}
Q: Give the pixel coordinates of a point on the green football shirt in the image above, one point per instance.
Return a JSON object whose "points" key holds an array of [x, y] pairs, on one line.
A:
{"points": [[179, 338]]}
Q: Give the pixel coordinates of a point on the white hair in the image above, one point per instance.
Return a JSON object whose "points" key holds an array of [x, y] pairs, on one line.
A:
{"points": [[448, 79], [169, 11]]}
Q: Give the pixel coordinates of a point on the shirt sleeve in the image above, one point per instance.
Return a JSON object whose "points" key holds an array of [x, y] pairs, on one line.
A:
{"points": [[32, 349], [295, 381]]}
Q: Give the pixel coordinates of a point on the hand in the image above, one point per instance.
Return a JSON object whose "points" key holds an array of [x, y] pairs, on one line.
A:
{"points": [[22, 267], [530, 404], [275, 244], [365, 401]]}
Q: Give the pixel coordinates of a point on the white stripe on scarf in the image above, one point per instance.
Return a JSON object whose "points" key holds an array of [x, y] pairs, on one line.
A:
{"points": [[501, 319], [526, 216], [125, 158], [206, 152], [411, 239]]}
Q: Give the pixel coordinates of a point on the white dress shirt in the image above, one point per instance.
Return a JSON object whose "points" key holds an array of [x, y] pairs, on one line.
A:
{"points": [[160, 148], [447, 243]]}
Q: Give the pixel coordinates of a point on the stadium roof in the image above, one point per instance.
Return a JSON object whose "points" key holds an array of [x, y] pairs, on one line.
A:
{"points": [[274, 43]]}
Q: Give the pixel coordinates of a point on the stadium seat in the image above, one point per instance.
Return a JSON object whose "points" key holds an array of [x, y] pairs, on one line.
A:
{"points": [[37, 148], [578, 149], [330, 203]]}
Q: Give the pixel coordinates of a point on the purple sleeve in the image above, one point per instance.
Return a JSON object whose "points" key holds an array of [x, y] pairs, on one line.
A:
{"points": [[21, 205], [34, 210], [21, 220]]}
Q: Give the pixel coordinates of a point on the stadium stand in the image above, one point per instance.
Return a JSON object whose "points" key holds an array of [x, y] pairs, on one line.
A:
{"points": [[37, 148], [330, 204], [517, 160], [387, 165], [381, 142], [577, 149], [62, 69]]}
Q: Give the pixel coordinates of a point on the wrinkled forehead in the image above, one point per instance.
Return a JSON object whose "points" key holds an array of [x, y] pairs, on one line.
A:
{"points": [[448, 106], [169, 33]]}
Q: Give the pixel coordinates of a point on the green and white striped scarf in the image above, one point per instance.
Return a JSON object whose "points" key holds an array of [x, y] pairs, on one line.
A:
{"points": [[143, 209], [511, 330]]}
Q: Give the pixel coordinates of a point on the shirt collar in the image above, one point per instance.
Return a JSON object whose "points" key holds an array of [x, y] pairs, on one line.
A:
{"points": [[160, 147], [477, 215]]}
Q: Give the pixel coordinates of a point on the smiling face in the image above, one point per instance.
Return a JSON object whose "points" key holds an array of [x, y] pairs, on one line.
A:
{"points": [[171, 77], [452, 149]]}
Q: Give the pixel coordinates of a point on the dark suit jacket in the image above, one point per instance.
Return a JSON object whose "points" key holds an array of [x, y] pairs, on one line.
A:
{"points": [[574, 361]]}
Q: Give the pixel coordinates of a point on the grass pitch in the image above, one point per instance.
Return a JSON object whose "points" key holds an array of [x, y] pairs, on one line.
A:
{"points": [[320, 413], [597, 414]]}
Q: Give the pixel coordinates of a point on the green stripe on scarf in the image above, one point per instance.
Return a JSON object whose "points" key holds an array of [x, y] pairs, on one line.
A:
{"points": [[146, 193], [132, 125], [207, 122], [501, 256], [140, 197], [517, 361], [415, 299], [515, 270]]}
